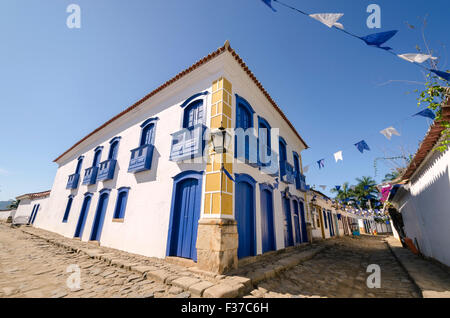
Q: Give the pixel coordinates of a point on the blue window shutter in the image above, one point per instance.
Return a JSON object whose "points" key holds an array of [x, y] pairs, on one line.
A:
{"points": [[97, 156], [79, 164], [147, 135], [193, 114], [119, 213], [68, 207], [113, 150]]}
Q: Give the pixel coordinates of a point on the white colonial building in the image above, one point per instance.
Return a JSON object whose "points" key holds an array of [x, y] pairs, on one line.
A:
{"points": [[149, 181]]}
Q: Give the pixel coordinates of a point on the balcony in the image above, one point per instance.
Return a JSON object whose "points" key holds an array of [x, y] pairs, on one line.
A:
{"points": [[106, 170], [141, 159], [187, 143], [287, 172], [300, 181], [90, 175], [72, 183]]}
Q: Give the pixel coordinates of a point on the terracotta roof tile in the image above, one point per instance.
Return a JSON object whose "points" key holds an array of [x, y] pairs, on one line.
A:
{"points": [[224, 48], [428, 143]]}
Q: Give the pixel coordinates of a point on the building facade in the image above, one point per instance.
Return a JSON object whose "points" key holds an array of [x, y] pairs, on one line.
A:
{"points": [[150, 181], [422, 197], [30, 206]]}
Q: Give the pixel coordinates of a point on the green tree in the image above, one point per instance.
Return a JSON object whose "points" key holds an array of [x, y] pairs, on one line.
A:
{"points": [[14, 204]]}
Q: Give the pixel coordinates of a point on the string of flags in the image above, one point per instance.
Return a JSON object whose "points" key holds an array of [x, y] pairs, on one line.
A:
{"points": [[376, 40], [362, 145]]}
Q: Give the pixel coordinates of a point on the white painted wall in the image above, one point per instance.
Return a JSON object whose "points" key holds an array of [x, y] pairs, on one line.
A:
{"points": [[145, 227], [4, 215], [26, 207], [425, 206]]}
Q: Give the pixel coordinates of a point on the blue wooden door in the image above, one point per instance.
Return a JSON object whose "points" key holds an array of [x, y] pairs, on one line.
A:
{"points": [[303, 223], [35, 213], [82, 217], [267, 226], [330, 223], [244, 210], [288, 238], [298, 239], [99, 217], [186, 214]]}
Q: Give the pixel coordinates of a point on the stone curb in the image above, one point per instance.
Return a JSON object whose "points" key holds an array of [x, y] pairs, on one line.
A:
{"points": [[231, 286], [430, 280]]}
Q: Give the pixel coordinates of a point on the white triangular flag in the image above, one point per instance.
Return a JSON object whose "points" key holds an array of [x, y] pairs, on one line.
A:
{"points": [[338, 156], [323, 187], [329, 19], [416, 57], [388, 132], [305, 169]]}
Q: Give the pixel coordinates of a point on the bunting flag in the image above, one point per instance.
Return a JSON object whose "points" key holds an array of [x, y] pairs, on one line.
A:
{"points": [[388, 132], [378, 39], [269, 4], [375, 39], [228, 174], [329, 19], [321, 163], [338, 188], [362, 145], [305, 169], [324, 187], [416, 58], [366, 187], [444, 75], [426, 113], [338, 156]]}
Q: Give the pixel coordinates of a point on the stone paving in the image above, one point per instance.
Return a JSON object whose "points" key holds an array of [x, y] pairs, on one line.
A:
{"points": [[33, 263], [340, 271], [432, 280]]}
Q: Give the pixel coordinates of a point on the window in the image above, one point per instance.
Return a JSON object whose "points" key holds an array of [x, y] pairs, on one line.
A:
{"points": [[244, 121], [97, 156], [122, 196], [264, 133], [79, 164], [69, 205], [193, 114], [113, 148], [147, 135], [283, 157]]}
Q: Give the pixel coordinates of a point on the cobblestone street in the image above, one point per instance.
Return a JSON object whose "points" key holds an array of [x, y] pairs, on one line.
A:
{"points": [[33, 266], [340, 271]]}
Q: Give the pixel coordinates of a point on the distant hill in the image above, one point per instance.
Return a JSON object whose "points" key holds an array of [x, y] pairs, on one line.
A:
{"points": [[4, 204]]}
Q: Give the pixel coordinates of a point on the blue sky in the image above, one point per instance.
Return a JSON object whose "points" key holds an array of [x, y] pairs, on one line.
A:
{"points": [[59, 84]]}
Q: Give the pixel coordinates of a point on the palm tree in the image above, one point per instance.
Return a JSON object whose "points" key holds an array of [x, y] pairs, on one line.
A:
{"points": [[344, 193], [366, 191], [14, 204]]}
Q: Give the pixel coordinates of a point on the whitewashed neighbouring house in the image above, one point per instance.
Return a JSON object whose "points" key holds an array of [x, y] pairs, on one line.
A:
{"points": [[30, 206], [423, 197], [149, 181]]}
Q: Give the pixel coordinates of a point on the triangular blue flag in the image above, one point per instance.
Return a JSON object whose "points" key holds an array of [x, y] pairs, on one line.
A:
{"points": [[377, 39], [338, 188], [228, 174], [321, 163], [426, 113], [444, 75], [269, 4], [366, 187], [362, 145]]}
